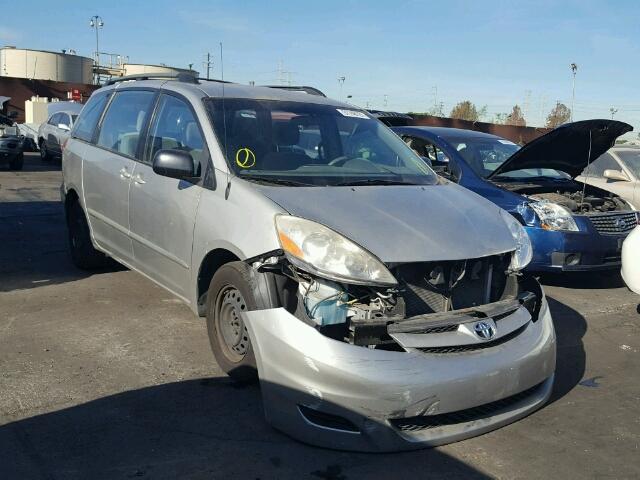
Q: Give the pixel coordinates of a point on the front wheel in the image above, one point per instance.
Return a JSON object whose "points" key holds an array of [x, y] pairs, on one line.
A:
{"points": [[45, 156], [230, 294], [17, 163]]}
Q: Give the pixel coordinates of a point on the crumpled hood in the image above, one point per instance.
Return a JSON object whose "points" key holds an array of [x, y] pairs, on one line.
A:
{"points": [[400, 224], [566, 148]]}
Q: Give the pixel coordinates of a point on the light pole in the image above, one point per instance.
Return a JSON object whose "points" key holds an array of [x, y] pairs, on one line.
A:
{"points": [[613, 112], [574, 69], [96, 23], [341, 82]]}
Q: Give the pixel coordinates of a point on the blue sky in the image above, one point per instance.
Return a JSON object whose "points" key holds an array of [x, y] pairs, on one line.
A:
{"points": [[495, 53]]}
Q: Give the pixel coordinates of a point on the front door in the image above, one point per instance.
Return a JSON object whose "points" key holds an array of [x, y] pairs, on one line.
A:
{"points": [[163, 210], [108, 168]]}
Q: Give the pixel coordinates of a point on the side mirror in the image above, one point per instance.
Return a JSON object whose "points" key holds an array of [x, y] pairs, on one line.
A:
{"points": [[616, 175], [174, 164], [63, 126]]}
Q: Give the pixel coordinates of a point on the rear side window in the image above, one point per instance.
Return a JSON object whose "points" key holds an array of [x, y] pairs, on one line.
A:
{"points": [[602, 163], [88, 119], [123, 123]]}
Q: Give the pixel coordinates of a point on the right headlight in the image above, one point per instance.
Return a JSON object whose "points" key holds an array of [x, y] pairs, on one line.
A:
{"points": [[553, 216], [320, 250], [524, 252]]}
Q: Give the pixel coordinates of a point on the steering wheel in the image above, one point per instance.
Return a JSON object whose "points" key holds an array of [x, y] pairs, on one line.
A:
{"points": [[339, 161]]}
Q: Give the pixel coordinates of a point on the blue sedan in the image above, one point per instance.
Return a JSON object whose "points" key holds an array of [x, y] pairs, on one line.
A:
{"points": [[572, 226]]}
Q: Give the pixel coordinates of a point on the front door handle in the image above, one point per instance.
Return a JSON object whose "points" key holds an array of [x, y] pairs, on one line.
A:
{"points": [[124, 173], [138, 179]]}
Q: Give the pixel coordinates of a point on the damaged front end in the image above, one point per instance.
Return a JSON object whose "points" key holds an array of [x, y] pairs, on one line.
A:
{"points": [[423, 354]]}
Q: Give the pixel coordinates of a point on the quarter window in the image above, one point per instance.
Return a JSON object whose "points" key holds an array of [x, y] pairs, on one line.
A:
{"points": [[123, 123], [175, 127], [88, 119]]}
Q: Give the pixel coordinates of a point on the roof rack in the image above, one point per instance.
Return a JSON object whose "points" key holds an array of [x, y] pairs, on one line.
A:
{"points": [[300, 88], [181, 77]]}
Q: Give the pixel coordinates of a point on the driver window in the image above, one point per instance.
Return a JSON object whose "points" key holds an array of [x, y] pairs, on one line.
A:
{"points": [[175, 127], [602, 163]]}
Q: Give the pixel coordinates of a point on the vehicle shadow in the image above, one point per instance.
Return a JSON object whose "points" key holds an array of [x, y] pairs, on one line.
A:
{"points": [[570, 327], [34, 249], [33, 163], [207, 428]]}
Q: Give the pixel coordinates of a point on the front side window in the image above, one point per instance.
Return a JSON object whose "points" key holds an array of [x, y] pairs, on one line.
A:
{"points": [[89, 116], [175, 127], [312, 144], [122, 124], [631, 159], [600, 164]]}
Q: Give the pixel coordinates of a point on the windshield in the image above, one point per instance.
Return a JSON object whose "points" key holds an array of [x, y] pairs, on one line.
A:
{"points": [[631, 159], [296, 143], [484, 155]]}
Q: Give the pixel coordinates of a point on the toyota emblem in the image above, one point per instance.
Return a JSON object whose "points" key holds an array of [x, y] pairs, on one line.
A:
{"points": [[484, 330]]}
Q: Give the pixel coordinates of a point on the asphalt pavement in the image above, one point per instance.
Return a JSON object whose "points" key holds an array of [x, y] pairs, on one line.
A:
{"points": [[106, 375]]}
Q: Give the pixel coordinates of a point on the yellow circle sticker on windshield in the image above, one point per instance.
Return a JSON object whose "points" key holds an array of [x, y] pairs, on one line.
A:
{"points": [[245, 158]]}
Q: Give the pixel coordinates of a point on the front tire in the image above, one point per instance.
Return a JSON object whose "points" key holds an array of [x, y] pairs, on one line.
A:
{"points": [[230, 294], [83, 253], [17, 163], [45, 156]]}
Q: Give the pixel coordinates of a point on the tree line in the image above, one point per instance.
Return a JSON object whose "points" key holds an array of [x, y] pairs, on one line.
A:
{"points": [[467, 110]]}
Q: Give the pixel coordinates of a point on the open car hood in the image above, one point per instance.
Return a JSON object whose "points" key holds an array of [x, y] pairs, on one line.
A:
{"points": [[566, 148]]}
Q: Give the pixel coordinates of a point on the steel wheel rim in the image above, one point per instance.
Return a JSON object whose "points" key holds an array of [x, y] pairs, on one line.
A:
{"points": [[231, 330]]}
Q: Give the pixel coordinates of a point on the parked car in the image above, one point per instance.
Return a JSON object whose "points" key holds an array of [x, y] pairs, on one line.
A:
{"points": [[572, 226], [616, 171], [380, 307], [631, 261], [54, 132], [11, 146]]}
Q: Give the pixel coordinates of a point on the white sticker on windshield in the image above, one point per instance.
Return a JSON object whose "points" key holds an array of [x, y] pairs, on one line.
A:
{"points": [[506, 142], [352, 113]]}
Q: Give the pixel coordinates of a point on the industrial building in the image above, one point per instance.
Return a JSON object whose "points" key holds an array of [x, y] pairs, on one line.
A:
{"points": [[27, 73]]}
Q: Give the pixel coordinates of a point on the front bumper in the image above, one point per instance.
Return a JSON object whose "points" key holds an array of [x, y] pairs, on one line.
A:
{"points": [[558, 251], [333, 394]]}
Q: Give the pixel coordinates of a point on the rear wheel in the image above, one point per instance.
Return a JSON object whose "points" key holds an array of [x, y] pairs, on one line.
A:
{"points": [[230, 294], [83, 254], [17, 163], [45, 156]]}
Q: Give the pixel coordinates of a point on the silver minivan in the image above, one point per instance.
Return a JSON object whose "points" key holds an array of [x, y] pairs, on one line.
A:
{"points": [[380, 306]]}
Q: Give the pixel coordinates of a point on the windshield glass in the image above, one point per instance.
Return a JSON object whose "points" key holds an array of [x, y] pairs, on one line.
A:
{"points": [[296, 143], [631, 159], [484, 155]]}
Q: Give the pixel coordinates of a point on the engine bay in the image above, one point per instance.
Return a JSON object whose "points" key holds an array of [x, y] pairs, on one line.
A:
{"points": [[361, 314], [573, 195]]}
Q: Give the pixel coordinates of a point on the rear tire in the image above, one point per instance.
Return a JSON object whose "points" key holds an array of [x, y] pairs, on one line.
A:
{"points": [[231, 292], [83, 254], [17, 163]]}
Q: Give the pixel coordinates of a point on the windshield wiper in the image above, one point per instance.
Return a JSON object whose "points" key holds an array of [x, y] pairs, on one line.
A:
{"points": [[278, 181], [372, 181]]}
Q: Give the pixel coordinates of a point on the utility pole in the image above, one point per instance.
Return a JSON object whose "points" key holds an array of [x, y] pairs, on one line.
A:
{"points": [[613, 112], [96, 23], [341, 80], [574, 69], [207, 64], [386, 100]]}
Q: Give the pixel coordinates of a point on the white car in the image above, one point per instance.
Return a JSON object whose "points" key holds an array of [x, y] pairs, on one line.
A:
{"points": [[631, 260], [617, 171], [53, 133]]}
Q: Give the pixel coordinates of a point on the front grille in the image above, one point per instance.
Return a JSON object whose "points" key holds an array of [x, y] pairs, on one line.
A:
{"points": [[475, 346], [413, 424], [614, 223]]}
